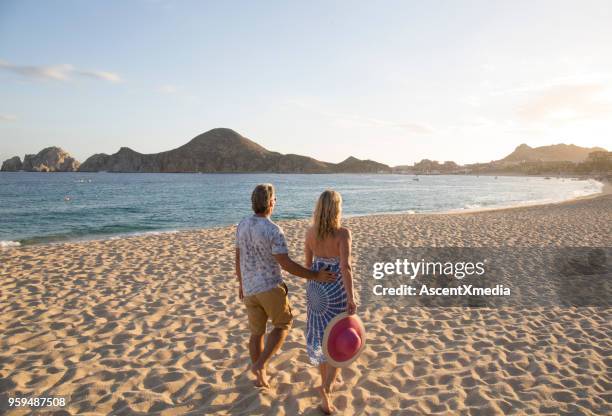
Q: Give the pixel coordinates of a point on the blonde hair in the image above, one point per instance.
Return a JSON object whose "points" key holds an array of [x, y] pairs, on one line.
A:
{"points": [[327, 214], [261, 197]]}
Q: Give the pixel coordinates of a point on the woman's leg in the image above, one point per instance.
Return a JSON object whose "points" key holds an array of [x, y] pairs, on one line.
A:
{"points": [[326, 403], [323, 371], [325, 389], [332, 374]]}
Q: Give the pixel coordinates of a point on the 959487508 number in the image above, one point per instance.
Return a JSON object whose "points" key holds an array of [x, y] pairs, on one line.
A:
{"points": [[37, 401]]}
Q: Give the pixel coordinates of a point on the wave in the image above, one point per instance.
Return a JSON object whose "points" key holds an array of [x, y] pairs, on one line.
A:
{"points": [[76, 237], [593, 187], [89, 232], [7, 244], [397, 212]]}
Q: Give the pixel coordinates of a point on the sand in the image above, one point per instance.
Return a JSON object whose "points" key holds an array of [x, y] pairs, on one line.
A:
{"points": [[152, 325]]}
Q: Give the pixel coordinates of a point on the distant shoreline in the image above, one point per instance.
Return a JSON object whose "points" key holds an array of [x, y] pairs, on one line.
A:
{"points": [[223, 150], [598, 177]]}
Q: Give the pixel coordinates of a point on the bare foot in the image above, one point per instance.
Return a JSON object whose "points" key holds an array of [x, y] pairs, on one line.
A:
{"points": [[264, 378], [326, 406], [261, 376], [335, 383]]}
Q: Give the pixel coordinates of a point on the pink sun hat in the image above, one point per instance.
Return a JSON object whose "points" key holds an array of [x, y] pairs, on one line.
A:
{"points": [[343, 340]]}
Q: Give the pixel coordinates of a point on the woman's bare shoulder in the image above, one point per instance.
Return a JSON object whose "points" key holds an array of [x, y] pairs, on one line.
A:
{"points": [[344, 233], [309, 233]]}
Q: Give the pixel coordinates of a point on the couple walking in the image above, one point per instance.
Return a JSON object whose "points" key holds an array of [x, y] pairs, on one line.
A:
{"points": [[261, 252]]}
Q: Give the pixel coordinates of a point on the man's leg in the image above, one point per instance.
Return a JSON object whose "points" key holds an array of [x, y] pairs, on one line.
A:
{"points": [[274, 341], [276, 305], [256, 346], [257, 323]]}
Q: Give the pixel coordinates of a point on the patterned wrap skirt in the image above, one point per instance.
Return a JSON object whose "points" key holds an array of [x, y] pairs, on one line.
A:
{"points": [[324, 302]]}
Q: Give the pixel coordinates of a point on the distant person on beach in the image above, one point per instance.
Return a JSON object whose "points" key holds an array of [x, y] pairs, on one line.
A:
{"points": [[261, 252], [327, 247]]}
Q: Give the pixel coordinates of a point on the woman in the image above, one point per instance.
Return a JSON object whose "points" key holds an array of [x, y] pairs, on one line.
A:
{"points": [[327, 246]]}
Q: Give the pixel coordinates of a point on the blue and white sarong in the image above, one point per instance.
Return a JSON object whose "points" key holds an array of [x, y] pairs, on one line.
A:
{"points": [[324, 302]]}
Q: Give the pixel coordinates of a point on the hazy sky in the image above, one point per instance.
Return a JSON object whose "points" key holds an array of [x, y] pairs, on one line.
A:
{"points": [[391, 81]]}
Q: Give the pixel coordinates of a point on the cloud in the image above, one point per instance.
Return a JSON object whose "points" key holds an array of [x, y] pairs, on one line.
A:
{"points": [[535, 87], [168, 89], [562, 103], [103, 75], [55, 72], [61, 72], [8, 117]]}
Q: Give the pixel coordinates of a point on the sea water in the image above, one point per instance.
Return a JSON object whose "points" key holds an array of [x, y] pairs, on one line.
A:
{"points": [[47, 207]]}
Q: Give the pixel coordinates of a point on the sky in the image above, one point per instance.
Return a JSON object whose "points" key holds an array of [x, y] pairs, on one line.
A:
{"points": [[392, 81]]}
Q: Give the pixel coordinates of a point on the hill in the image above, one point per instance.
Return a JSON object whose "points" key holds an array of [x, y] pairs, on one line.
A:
{"points": [[354, 165], [50, 159], [553, 153], [221, 150]]}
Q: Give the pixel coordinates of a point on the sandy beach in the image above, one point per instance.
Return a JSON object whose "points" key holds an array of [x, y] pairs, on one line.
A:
{"points": [[153, 325]]}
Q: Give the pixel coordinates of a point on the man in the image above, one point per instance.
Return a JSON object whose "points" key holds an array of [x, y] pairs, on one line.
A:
{"points": [[261, 252]]}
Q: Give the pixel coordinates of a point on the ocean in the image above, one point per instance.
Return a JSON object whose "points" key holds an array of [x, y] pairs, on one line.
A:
{"points": [[49, 207]]}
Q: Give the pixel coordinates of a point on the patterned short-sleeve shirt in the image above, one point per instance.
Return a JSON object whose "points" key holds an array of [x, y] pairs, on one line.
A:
{"points": [[259, 239]]}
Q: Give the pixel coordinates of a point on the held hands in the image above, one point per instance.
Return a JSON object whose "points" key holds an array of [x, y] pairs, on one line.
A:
{"points": [[351, 306], [325, 276]]}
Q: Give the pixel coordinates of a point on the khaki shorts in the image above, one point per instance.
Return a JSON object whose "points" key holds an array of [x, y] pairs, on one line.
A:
{"points": [[272, 304]]}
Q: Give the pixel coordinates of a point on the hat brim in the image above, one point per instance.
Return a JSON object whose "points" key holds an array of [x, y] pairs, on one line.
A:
{"points": [[327, 333]]}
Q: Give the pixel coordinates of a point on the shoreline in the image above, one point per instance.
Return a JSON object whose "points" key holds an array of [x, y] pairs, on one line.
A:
{"points": [[606, 189], [10, 244]]}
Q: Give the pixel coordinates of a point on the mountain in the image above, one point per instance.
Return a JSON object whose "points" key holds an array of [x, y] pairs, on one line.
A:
{"points": [[224, 150], [220, 150], [50, 159], [354, 165], [553, 153], [12, 165]]}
